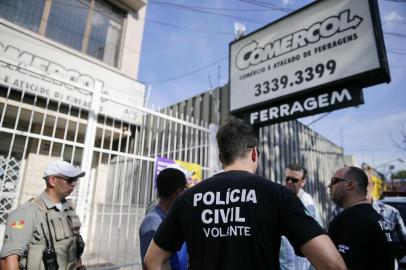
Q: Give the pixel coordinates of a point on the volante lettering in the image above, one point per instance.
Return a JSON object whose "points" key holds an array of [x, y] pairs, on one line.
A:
{"points": [[230, 231]]}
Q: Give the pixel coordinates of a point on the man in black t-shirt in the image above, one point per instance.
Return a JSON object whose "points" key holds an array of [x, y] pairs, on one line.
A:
{"points": [[235, 219], [360, 234]]}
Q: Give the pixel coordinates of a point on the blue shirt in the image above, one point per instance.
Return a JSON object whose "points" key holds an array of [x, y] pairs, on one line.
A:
{"points": [[149, 226]]}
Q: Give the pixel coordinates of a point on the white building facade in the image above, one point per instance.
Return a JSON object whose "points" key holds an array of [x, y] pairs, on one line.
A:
{"points": [[68, 90]]}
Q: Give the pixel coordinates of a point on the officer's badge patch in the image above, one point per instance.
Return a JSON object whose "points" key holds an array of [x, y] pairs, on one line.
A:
{"points": [[19, 224]]}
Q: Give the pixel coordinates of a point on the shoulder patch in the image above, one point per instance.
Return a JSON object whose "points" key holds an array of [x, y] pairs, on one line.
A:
{"points": [[18, 224]]}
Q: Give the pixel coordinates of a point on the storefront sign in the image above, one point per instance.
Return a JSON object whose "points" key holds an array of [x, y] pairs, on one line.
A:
{"points": [[304, 105], [31, 64], [326, 43]]}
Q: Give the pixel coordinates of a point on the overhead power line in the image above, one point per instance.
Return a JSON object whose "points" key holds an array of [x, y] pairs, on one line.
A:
{"points": [[394, 21], [267, 5], [318, 119], [394, 34], [191, 72], [188, 28], [189, 8], [211, 8], [394, 52]]}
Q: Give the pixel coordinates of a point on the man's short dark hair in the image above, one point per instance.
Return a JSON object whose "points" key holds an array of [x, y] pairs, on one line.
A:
{"points": [[358, 175], [234, 140], [168, 181], [297, 167]]}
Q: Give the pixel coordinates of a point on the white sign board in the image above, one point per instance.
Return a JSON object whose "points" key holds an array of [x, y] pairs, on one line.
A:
{"points": [[325, 42], [38, 67]]}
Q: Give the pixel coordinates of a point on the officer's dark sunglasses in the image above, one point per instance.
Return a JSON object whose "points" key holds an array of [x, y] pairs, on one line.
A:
{"points": [[67, 179], [291, 179]]}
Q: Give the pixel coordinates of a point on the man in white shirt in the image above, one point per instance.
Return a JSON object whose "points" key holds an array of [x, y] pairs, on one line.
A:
{"points": [[295, 179]]}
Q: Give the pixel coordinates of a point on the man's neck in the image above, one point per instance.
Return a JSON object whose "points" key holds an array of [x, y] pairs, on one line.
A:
{"points": [[165, 205], [240, 165], [53, 196], [354, 201]]}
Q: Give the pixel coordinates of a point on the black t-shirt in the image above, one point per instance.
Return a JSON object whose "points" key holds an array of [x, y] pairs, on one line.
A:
{"points": [[361, 236], [234, 220]]}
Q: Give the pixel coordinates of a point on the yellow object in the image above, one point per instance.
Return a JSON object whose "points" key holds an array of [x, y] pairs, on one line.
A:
{"points": [[378, 187], [19, 224], [195, 172]]}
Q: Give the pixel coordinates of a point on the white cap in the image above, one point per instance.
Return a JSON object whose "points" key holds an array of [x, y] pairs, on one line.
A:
{"points": [[59, 167]]}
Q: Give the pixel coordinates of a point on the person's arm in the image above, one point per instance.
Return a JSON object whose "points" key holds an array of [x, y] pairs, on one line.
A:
{"points": [[10, 263], [400, 237], [155, 257], [18, 232], [145, 241], [322, 253]]}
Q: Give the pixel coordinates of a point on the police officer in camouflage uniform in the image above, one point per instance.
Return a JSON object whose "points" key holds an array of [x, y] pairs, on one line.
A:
{"points": [[47, 222]]}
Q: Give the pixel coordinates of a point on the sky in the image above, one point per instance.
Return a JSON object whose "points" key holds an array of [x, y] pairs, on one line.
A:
{"points": [[185, 52]]}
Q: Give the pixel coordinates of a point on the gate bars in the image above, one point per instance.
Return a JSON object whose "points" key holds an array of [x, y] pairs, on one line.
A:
{"points": [[117, 155]]}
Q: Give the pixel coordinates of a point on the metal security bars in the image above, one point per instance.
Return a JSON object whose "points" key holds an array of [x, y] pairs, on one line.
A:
{"points": [[118, 156], [35, 130], [122, 185], [293, 142], [9, 170]]}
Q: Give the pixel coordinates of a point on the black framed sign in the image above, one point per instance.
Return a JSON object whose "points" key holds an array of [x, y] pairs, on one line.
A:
{"points": [[320, 47], [324, 100]]}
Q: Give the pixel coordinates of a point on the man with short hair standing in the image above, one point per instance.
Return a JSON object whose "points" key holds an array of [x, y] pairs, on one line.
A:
{"points": [[360, 234], [170, 182], [235, 219], [46, 228], [295, 179]]}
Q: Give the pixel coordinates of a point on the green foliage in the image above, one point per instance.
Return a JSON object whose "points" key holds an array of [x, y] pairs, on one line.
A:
{"points": [[400, 174]]}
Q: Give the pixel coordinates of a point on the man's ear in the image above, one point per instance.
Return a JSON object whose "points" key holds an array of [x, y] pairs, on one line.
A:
{"points": [[51, 181], [221, 160], [304, 182], [254, 154], [350, 185]]}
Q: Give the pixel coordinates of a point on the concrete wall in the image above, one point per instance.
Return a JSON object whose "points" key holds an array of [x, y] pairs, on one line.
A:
{"points": [[132, 41]]}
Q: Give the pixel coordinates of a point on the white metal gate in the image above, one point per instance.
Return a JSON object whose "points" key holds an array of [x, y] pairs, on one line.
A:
{"points": [[122, 179], [118, 156]]}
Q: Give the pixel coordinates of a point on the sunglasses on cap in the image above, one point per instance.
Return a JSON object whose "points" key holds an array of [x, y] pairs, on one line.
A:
{"points": [[335, 180], [292, 179]]}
